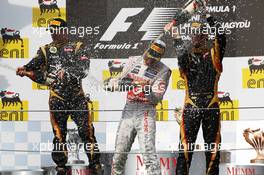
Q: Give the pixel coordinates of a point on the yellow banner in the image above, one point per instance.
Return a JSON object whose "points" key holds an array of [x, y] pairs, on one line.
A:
{"points": [[36, 86], [106, 74], [94, 114], [162, 115], [14, 48], [42, 20], [15, 113], [228, 112], [177, 82], [254, 80]]}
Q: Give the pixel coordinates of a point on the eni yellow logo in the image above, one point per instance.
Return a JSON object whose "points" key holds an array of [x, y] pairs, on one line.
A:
{"points": [[36, 86], [115, 67], [228, 107], [253, 77], [93, 108], [12, 45], [11, 107], [177, 82], [47, 10], [162, 113]]}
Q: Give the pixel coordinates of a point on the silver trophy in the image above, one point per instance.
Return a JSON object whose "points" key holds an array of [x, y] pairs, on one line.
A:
{"points": [[256, 139], [74, 143]]}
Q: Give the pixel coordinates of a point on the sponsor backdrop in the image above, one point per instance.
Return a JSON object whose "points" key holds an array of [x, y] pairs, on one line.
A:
{"points": [[114, 30], [120, 28]]}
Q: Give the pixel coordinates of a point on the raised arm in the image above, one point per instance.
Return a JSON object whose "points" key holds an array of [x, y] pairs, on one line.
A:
{"points": [[189, 9]]}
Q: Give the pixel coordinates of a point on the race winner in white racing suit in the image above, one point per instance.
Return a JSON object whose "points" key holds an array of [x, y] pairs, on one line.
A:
{"points": [[149, 80]]}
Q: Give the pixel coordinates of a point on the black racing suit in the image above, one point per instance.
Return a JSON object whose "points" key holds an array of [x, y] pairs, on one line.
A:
{"points": [[201, 69], [66, 94]]}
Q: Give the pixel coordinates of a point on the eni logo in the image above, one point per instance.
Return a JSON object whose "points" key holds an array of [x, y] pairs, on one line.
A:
{"points": [[162, 112], [11, 107], [47, 10], [12, 45], [93, 109], [253, 76], [228, 107], [115, 67], [177, 82]]}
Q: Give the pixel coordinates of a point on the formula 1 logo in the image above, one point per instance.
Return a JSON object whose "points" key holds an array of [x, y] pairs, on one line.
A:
{"points": [[12, 45], [11, 106], [46, 11], [253, 76], [152, 27], [228, 107]]}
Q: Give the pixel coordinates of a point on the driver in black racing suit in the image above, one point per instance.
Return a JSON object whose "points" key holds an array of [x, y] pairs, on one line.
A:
{"points": [[200, 66], [61, 65]]}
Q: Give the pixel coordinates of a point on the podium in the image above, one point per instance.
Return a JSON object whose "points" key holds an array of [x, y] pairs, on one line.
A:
{"points": [[249, 169], [24, 172]]}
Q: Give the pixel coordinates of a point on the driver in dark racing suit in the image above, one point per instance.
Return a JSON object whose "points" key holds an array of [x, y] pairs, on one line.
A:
{"points": [[61, 65], [200, 66]]}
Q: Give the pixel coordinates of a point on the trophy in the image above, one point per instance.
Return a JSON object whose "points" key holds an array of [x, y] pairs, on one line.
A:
{"points": [[74, 143], [256, 139]]}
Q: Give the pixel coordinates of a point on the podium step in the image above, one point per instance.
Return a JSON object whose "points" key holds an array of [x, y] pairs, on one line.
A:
{"points": [[23, 172]]}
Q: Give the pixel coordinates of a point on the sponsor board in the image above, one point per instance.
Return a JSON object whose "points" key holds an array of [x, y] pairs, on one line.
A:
{"points": [[45, 12], [253, 76], [11, 107], [94, 105], [177, 82], [12, 45], [253, 169], [228, 107], [162, 113], [115, 67], [168, 163], [129, 27]]}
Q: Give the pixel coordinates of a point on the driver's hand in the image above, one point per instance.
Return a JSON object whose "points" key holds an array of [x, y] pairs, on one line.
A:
{"points": [[21, 71]]}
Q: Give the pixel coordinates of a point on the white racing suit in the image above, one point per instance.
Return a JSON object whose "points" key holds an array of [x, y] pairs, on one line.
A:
{"points": [[139, 115]]}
